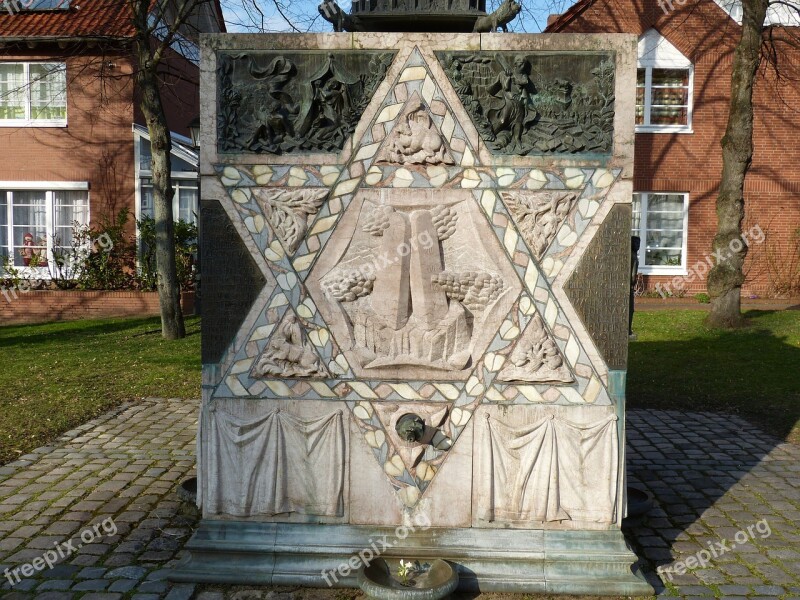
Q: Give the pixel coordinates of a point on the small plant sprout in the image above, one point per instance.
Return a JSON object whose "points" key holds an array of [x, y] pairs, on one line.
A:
{"points": [[404, 570]]}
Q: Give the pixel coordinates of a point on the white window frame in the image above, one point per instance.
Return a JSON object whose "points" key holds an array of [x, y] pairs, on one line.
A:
{"points": [[177, 178], [646, 127], [180, 148], [27, 121], [656, 52], [644, 268], [48, 187]]}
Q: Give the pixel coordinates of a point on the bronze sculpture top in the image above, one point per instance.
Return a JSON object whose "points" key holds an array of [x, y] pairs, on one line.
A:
{"points": [[419, 15]]}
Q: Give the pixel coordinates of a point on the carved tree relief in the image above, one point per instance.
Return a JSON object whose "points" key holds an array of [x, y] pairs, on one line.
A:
{"points": [[539, 215], [413, 281], [289, 210]]}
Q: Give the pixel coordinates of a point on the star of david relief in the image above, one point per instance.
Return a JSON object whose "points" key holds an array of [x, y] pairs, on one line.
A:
{"points": [[408, 285]]}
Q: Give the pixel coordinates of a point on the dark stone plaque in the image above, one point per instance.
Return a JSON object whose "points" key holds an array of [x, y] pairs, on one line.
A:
{"points": [[537, 103], [598, 288], [231, 280], [288, 102]]}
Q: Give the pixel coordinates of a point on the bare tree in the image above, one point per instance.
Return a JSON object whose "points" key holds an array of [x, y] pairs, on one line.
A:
{"points": [[158, 28], [726, 277]]}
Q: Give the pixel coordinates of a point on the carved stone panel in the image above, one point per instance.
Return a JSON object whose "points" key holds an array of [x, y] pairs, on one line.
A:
{"points": [[415, 139], [536, 358], [537, 103], [539, 215], [276, 458], [545, 465], [413, 284], [604, 266], [288, 353], [231, 280], [284, 102], [289, 211]]}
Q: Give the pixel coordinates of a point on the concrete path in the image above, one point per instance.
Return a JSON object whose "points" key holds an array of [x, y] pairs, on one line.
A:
{"points": [[727, 496]]}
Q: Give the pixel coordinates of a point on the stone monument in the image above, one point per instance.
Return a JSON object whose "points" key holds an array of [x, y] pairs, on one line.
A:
{"points": [[415, 253]]}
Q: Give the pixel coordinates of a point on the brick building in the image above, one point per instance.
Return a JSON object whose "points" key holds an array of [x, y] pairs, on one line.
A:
{"points": [[74, 145], [683, 90]]}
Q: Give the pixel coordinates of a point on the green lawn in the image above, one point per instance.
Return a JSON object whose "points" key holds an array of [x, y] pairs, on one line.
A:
{"points": [[754, 372], [57, 376]]}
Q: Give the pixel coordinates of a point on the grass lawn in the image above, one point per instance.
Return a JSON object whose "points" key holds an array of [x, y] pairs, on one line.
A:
{"points": [[57, 376], [754, 372]]}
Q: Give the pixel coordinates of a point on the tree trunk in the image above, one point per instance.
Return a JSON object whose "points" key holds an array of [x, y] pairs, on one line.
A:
{"points": [[726, 277], [169, 293]]}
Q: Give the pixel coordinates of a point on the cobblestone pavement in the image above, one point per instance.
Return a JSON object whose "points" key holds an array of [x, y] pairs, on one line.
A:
{"points": [[713, 477]]}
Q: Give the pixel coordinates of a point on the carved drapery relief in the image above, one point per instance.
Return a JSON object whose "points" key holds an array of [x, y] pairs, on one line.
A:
{"points": [[536, 358], [289, 211], [539, 215], [415, 282], [415, 139], [274, 463], [289, 102], [549, 470], [527, 103], [289, 354]]}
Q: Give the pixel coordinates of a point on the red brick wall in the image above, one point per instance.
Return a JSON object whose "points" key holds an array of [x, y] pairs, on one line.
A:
{"points": [[17, 306], [693, 162], [180, 83], [96, 146]]}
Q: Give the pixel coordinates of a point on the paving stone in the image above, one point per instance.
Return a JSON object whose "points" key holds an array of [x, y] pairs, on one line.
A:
{"points": [[91, 585], [729, 590], [127, 573], [54, 584], [92, 573], [181, 591], [55, 596], [155, 587], [122, 585]]}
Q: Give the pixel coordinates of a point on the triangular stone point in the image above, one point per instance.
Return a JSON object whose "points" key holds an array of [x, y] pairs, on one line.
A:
{"points": [[289, 353], [415, 139], [536, 358], [539, 214]]}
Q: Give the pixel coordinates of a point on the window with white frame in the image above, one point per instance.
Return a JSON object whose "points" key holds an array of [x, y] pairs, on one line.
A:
{"points": [[664, 81], [660, 222], [33, 94], [184, 202], [36, 222]]}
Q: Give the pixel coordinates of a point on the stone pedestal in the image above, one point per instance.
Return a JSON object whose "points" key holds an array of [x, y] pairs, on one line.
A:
{"points": [[415, 224]]}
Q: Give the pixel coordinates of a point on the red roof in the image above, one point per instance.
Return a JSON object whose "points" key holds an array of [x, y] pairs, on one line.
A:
{"points": [[85, 18], [565, 18]]}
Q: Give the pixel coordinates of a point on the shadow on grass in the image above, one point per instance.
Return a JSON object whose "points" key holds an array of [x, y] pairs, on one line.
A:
{"points": [[751, 372], [70, 331]]}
